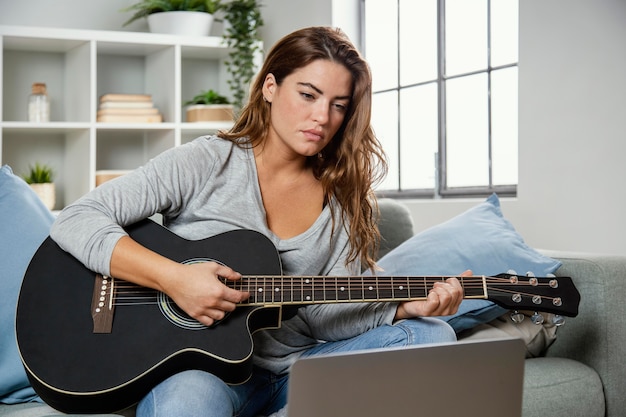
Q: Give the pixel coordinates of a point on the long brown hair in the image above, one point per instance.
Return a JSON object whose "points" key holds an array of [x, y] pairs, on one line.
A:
{"points": [[353, 161]]}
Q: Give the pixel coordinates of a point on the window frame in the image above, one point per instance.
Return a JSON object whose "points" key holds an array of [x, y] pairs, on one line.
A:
{"points": [[441, 190]]}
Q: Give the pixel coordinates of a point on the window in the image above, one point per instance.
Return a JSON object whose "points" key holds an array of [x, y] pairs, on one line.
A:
{"points": [[445, 94]]}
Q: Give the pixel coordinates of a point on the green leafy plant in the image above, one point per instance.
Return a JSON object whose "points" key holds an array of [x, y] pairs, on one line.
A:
{"points": [[208, 97], [242, 36], [148, 7], [39, 174]]}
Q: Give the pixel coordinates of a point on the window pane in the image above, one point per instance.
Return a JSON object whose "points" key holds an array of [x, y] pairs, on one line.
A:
{"points": [[481, 148], [467, 133], [418, 133], [466, 36], [385, 125], [381, 25], [504, 126], [418, 41], [504, 30]]}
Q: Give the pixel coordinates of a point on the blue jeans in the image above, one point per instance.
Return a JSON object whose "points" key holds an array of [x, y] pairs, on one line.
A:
{"points": [[200, 394]]}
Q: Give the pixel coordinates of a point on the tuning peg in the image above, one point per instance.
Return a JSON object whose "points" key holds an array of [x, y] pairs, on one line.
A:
{"points": [[517, 317], [554, 283], [537, 318], [511, 272], [531, 278], [558, 320]]}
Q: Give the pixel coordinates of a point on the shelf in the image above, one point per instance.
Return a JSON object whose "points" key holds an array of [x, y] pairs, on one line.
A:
{"points": [[78, 66], [135, 126], [43, 128], [21, 37], [200, 127]]}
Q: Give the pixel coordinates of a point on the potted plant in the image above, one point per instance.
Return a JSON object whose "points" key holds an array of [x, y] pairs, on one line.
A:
{"points": [[243, 20], [209, 106], [40, 180], [180, 17]]}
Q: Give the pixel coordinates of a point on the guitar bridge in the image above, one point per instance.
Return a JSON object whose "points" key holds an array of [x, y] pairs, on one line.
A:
{"points": [[102, 306]]}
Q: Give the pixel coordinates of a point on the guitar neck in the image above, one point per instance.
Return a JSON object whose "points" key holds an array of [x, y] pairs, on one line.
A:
{"points": [[547, 294], [265, 290]]}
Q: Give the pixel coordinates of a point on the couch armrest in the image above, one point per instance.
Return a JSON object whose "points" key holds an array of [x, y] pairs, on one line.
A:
{"points": [[597, 336]]}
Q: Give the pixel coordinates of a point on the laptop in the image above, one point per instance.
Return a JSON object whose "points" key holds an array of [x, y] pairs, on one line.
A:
{"points": [[472, 378]]}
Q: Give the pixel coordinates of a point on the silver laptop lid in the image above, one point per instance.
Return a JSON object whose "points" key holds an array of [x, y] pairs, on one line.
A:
{"points": [[477, 378]]}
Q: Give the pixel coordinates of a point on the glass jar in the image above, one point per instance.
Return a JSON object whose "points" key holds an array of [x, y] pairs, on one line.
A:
{"points": [[38, 104]]}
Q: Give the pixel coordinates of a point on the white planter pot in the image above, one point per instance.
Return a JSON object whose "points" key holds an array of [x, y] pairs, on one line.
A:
{"points": [[210, 113], [46, 193], [181, 23]]}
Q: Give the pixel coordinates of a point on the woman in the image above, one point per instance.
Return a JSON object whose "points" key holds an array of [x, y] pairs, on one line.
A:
{"points": [[298, 166]]}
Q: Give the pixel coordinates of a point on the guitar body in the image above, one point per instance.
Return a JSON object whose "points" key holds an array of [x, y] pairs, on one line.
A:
{"points": [[78, 371]]}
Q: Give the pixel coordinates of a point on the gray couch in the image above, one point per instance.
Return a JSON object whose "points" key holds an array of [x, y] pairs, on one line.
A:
{"points": [[581, 374]]}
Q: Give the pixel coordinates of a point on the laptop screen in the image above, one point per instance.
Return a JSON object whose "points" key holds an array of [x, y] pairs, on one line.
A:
{"points": [[474, 378]]}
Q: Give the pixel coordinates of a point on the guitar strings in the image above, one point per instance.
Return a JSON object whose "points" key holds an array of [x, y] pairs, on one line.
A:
{"points": [[353, 287]]}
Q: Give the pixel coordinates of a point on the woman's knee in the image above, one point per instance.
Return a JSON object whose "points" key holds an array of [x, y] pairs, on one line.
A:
{"points": [[189, 393], [426, 330]]}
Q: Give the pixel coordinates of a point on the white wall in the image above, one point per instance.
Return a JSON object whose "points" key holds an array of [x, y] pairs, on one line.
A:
{"points": [[76, 14], [572, 121], [573, 124], [281, 16], [284, 16], [572, 138]]}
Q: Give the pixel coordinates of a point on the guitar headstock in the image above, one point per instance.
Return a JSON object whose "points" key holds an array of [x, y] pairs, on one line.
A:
{"points": [[556, 295]]}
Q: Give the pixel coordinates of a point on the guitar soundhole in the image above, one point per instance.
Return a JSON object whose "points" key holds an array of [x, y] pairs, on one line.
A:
{"points": [[174, 313]]}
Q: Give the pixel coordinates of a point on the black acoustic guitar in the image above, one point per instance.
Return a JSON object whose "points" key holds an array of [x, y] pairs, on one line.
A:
{"points": [[91, 343]]}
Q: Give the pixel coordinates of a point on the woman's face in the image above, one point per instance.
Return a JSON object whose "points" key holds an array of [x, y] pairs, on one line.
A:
{"points": [[308, 107]]}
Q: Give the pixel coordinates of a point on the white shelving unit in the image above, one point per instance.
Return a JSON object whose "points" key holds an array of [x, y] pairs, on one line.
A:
{"points": [[78, 66]]}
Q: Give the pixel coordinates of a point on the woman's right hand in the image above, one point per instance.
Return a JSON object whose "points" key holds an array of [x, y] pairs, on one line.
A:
{"points": [[198, 290], [195, 288]]}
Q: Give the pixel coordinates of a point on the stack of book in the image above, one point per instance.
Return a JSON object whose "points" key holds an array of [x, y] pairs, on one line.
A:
{"points": [[128, 108]]}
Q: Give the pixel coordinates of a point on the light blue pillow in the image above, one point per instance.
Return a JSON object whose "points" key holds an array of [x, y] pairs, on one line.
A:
{"points": [[24, 223], [480, 239]]}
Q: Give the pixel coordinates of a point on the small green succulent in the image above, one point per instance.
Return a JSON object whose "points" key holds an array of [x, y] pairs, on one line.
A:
{"points": [[208, 97], [39, 174], [148, 7]]}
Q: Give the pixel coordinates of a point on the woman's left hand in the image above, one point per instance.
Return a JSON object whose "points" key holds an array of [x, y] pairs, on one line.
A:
{"points": [[443, 300]]}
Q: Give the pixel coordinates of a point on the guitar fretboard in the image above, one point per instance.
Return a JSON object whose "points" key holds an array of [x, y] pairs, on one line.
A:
{"points": [[324, 289]]}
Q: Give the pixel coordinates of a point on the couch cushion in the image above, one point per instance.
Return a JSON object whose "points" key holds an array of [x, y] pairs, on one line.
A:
{"points": [[25, 223], [395, 224], [559, 387], [480, 239]]}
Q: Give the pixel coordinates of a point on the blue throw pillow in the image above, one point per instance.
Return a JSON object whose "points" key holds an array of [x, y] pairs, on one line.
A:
{"points": [[480, 239], [24, 223]]}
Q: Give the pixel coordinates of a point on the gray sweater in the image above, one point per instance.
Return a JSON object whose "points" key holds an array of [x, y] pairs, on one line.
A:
{"points": [[207, 187]]}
